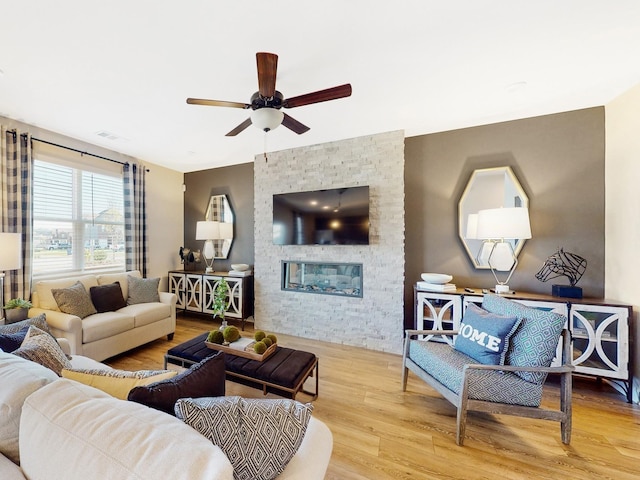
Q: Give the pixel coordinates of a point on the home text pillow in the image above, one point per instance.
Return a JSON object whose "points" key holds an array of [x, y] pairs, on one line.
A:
{"points": [[24, 378], [535, 342], [107, 298], [40, 347], [74, 300], [143, 290], [116, 383], [12, 341], [485, 336], [204, 379], [259, 436]]}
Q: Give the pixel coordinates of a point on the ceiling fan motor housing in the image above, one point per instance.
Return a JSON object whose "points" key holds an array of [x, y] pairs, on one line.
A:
{"points": [[258, 101]]}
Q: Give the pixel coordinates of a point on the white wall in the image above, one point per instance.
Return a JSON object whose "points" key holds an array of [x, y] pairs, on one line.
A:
{"points": [[622, 224]]}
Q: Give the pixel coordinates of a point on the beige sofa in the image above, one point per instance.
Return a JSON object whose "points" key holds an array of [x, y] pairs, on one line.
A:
{"points": [[70, 431], [103, 335]]}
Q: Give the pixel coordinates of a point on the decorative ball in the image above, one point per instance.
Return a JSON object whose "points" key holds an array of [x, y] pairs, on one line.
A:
{"points": [[259, 335], [259, 348], [267, 341], [273, 338], [231, 334], [215, 336]]}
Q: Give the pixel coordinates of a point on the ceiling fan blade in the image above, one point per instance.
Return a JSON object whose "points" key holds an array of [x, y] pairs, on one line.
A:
{"points": [[267, 68], [333, 93], [239, 128], [216, 103], [294, 125]]}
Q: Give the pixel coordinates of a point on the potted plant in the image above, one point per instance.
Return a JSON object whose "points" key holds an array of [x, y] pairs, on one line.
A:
{"points": [[220, 301], [17, 309]]}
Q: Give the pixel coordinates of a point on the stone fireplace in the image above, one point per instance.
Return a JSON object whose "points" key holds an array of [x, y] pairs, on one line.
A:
{"points": [[373, 320]]}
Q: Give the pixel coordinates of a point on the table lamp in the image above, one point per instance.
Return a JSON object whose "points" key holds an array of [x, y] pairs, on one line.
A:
{"points": [[10, 259], [208, 231]]}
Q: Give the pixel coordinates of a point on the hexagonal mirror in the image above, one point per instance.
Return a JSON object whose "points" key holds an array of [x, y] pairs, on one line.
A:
{"points": [[487, 188], [219, 210]]}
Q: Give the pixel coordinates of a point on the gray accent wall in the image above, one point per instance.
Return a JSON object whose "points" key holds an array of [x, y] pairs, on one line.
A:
{"points": [[237, 183], [559, 160]]}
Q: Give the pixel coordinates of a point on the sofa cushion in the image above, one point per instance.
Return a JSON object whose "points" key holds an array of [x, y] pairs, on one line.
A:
{"points": [[74, 300], [485, 336], [12, 341], [259, 436], [446, 364], [44, 287], [534, 343], [39, 321], [24, 377], [40, 347], [117, 383], [105, 325], [107, 298], [203, 379], [91, 434], [143, 290], [146, 313], [122, 278]]}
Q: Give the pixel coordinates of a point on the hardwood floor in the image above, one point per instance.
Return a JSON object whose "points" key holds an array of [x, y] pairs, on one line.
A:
{"points": [[380, 432]]}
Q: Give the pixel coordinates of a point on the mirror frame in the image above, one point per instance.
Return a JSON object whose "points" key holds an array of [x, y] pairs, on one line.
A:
{"points": [[219, 210], [512, 195]]}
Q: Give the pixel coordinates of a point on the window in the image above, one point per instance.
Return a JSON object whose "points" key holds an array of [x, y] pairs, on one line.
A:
{"points": [[78, 221]]}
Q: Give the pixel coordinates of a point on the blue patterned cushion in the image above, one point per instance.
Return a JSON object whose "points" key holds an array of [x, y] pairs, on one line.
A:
{"points": [[445, 364], [484, 336], [534, 343]]}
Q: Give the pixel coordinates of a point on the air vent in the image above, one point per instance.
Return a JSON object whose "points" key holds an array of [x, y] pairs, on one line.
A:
{"points": [[109, 135]]}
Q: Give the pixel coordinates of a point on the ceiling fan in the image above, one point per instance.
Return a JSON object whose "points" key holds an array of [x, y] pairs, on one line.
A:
{"points": [[267, 101]]}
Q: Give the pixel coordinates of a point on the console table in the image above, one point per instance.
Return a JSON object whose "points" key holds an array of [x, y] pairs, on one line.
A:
{"points": [[600, 329], [195, 291]]}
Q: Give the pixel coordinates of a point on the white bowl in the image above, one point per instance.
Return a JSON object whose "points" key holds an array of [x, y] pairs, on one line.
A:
{"points": [[239, 267], [438, 278]]}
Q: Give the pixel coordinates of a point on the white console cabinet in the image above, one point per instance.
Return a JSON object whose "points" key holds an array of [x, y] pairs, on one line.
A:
{"points": [[599, 328], [195, 292]]}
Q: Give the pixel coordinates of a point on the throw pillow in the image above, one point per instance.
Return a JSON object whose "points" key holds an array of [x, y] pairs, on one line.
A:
{"points": [[258, 436], [484, 336], [74, 300], [12, 341], [40, 347], [116, 383], [143, 290], [39, 321], [204, 379], [535, 342], [107, 298]]}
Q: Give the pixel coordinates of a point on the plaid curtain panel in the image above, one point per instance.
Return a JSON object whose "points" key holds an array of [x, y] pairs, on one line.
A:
{"points": [[135, 218], [16, 170]]}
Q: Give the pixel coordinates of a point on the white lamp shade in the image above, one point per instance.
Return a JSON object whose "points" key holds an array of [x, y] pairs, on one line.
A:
{"points": [[266, 118], [207, 230], [498, 223], [226, 230], [10, 251]]}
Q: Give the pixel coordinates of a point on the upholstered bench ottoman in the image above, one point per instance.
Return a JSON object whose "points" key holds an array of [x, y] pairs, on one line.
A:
{"points": [[283, 373]]}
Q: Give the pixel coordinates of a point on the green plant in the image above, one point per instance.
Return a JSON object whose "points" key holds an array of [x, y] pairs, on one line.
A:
{"points": [[17, 303], [273, 338], [215, 336], [259, 348], [220, 298], [259, 335], [231, 333], [267, 341]]}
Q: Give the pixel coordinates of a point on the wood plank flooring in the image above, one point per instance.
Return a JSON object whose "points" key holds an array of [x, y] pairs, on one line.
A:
{"points": [[380, 432]]}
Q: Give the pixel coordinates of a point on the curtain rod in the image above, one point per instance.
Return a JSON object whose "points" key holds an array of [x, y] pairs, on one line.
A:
{"points": [[76, 150]]}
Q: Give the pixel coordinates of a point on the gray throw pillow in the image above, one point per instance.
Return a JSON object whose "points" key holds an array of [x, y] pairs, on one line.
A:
{"points": [[143, 290], [40, 347], [39, 321], [74, 300]]}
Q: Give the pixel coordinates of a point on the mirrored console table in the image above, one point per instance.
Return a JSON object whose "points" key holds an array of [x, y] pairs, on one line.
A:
{"points": [[600, 329], [195, 292]]}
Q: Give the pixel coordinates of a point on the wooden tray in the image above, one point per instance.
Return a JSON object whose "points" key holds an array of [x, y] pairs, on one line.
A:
{"points": [[243, 347]]}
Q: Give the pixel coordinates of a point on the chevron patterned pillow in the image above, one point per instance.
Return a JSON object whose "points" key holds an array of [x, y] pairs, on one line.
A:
{"points": [[259, 436]]}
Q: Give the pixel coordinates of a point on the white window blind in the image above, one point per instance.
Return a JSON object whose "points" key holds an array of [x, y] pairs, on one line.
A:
{"points": [[78, 221]]}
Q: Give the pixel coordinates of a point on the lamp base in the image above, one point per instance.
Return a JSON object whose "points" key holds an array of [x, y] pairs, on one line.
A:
{"points": [[500, 288], [208, 270], [566, 291]]}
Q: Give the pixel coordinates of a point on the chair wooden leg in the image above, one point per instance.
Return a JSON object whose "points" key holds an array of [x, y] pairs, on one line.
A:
{"points": [[461, 418], [565, 406]]}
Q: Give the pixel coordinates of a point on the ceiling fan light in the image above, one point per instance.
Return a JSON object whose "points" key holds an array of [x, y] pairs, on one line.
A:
{"points": [[266, 118]]}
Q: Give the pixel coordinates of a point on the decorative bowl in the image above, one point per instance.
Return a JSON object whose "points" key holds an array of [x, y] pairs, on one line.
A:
{"points": [[239, 267], [437, 278]]}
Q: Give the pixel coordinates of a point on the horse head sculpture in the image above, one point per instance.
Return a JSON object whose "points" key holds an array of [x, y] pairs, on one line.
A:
{"points": [[563, 264]]}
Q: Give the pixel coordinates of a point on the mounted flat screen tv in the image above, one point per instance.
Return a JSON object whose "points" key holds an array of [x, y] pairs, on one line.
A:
{"points": [[339, 216]]}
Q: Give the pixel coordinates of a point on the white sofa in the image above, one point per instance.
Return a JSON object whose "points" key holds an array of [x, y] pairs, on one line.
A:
{"points": [[103, 335], [70, 431]]}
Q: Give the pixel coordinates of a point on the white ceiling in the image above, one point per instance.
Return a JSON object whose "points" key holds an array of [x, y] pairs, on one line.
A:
{"points": [[125, 67]]}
